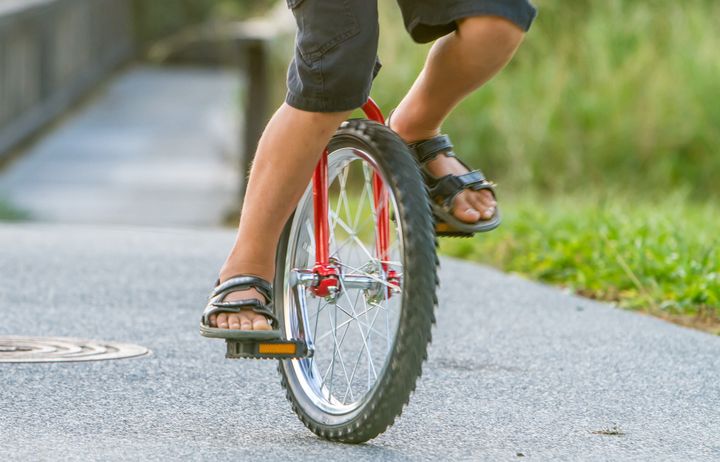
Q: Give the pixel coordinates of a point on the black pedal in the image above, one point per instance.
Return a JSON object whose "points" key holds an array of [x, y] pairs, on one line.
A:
{"points": [[267, 349]]}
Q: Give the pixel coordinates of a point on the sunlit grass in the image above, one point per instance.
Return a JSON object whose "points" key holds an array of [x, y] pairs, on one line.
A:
{"points": [[662, 257]]}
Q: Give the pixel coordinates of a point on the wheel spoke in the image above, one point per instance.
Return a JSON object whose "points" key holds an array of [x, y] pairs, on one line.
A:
{"points": [[357, 361], [362, 333], [338, 352], [310, 243], [342, 200], [317, 316], [344, 323], [354, 237]]}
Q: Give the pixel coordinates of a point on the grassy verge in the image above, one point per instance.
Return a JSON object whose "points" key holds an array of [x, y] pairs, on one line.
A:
{"points": [[662, 258], [10, 213]]}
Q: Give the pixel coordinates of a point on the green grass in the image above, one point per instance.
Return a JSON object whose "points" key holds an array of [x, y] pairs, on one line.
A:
{"points": [[10, 213], [661, 257]]}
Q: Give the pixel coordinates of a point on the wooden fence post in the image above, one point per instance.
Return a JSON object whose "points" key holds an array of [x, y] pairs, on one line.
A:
{"points": [[256, 104]]}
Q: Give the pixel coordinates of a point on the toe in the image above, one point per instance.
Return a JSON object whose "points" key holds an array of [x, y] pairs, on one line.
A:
{"points": [[234, 321], [212, 320], [484, 202], [222, 321], [487, 211], [476, 200], [245, 323], [464, 211], [260, 322], [488, 198]]}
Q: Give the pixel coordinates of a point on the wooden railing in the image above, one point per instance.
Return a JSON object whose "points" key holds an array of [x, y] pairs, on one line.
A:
{"points": [[52, 52]]}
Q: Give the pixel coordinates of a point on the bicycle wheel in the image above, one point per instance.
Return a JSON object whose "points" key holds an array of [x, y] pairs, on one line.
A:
{"points": [[370, 336]]}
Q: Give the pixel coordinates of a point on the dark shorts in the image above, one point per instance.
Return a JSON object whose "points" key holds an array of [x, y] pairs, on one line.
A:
{"points": [[336, 45]]}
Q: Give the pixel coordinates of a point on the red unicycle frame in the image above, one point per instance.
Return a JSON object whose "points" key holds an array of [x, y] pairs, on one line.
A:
{"points": [[326, 272]]}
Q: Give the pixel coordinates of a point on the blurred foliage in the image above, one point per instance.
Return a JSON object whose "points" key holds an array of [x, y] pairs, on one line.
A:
{"points": [[156, 19], [663, 258], [613, 93], [10, 213]]}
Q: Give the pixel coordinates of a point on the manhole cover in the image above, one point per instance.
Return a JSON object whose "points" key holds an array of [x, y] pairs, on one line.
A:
{"points": [[14, 349]]}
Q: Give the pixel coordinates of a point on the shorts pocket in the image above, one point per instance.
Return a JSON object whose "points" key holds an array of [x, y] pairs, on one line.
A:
{"points": [[322, 25]]}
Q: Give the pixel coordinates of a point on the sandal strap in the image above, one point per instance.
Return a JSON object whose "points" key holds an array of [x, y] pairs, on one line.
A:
{"points": [[217, 303], [426, 150], [444, 189], [242, 282]]}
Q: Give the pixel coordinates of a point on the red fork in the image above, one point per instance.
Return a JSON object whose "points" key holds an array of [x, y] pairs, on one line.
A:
{"points": [[327, 273]]}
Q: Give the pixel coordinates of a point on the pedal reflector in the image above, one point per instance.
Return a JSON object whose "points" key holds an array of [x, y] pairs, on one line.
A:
{"points": [[277, 348], [267, 349]]}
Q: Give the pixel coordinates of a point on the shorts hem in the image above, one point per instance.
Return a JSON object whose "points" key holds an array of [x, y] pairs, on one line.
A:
{"points": [[319, 104], [520, 12]]}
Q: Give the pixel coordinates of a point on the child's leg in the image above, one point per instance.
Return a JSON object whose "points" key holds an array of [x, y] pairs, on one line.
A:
{"points": [[457, 64], [335, 60], [286, 156]]}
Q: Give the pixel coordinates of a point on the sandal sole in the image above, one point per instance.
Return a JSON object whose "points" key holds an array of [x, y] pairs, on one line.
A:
{"points": [[233, 334], [447, 224]]}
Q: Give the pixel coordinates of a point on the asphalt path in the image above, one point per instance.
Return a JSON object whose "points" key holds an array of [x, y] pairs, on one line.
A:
{"points": [[517, 370]]}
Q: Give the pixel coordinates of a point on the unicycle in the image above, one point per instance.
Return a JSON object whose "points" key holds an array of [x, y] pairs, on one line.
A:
{"points": [[355, 286]]}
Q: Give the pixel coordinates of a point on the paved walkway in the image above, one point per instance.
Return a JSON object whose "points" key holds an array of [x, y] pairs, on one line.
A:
{"points": [[514, 368], [158, 146]]}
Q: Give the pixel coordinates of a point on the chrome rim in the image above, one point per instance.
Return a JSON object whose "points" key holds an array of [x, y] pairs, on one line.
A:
{"points": [[352, 332]]}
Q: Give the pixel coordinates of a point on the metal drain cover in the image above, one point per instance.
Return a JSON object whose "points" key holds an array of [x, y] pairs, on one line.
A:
{"points": [[15, 349]]}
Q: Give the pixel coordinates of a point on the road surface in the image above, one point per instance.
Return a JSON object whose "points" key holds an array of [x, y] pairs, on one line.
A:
{"points": [[517, 370]]}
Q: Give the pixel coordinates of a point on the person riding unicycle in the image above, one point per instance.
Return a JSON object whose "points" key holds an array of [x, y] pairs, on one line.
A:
{"points": [[330, 75]]}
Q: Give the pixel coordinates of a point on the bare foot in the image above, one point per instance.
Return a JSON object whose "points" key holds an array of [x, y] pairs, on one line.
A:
{"points": [[246, 319], [469, 206]]}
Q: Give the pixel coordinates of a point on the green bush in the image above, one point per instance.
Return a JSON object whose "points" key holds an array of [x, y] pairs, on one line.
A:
{"points": [[601, 94], [11, 213], [158, 18]]}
